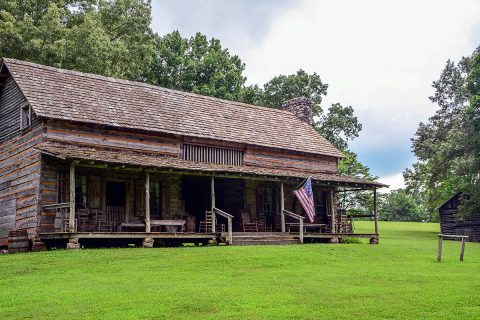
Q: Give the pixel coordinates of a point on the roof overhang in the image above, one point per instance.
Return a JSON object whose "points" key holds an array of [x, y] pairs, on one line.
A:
{"points": [[88, 156]]}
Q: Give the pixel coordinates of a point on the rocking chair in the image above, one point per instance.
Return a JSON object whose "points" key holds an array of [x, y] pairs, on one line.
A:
{"points": [[248, 224]]}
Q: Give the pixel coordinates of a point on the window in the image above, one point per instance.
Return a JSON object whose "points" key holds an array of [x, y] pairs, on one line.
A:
{"points": [[320, 203], [212, 155], [62, 187], [268, 201], [81, 192], [25, 117]]}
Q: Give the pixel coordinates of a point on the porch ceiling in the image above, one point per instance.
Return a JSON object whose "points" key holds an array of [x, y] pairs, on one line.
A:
{"points": [[149, 160]]}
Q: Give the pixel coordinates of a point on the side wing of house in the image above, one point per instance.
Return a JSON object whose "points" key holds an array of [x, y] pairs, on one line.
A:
{"points": [[20, 131]]}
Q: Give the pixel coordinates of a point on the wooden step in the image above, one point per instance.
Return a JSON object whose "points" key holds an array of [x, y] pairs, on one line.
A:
{"points": [[263, 242], [262, 238]]}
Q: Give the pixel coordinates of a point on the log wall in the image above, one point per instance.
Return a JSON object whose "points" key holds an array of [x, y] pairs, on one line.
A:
{"points": [[452, 223], [283, 160], [20, 165], [84, 135]]}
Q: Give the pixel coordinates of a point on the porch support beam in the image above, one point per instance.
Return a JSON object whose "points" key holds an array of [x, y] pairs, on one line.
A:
{"points": [[332, 210], [375, 214], [282, 207], [147, 202], [71, 217], [212, 194]]}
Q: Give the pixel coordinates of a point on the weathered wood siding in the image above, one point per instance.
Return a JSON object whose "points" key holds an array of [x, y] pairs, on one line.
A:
{"points": [[452, 223], [283, 160], [19, 165], [84, 135], [11, 101]]}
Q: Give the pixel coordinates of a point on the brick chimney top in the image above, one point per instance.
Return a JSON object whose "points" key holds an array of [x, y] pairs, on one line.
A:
{"points": [[301, 107]]}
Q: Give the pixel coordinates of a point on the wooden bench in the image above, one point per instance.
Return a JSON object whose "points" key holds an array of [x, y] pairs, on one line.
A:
{"points": [[132, 225], [167, 224]]}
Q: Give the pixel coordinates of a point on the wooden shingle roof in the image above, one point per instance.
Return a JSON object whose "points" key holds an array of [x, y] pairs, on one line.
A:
{"points": [[74, 96]]}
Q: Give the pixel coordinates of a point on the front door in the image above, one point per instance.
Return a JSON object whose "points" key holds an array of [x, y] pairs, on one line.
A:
{"points": [[115, 202]]}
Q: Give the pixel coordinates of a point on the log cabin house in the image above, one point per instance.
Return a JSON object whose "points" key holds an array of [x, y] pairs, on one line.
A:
{"points": [[452, 223], [87, 159]]}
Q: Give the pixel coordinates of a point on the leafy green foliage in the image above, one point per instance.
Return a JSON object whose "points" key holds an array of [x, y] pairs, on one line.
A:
{"points": [[357, 201], [108, 37], [399, 205], [282, 88], [197, 65], [447, 146]]}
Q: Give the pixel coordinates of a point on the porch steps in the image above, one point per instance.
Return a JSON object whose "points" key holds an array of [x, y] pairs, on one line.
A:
{"points": [[262, 238]]}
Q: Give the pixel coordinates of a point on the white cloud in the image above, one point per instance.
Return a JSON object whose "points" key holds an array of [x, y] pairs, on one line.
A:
{"points": [[395, 181]]}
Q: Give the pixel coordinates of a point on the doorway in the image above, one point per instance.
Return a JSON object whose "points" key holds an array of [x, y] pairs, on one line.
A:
{"points": [[115, 193]]}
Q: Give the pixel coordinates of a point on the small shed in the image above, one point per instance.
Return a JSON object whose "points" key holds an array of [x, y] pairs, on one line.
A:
{"points": [[452, 223]]}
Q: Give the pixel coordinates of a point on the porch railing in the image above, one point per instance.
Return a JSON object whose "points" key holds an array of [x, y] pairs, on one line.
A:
{"points": [[62, 211], [300, 220], [229, 219]]}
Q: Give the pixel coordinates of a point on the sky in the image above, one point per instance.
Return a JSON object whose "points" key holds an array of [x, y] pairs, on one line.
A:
{"points": [[380, 57]]}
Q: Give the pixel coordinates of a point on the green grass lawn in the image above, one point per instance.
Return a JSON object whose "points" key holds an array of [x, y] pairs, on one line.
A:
{"points": [[398, 279]]}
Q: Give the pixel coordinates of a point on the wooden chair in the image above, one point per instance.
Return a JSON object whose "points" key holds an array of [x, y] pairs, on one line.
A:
{"points": [[205, 226], [248, 224], [82, 219], [103, 224]]}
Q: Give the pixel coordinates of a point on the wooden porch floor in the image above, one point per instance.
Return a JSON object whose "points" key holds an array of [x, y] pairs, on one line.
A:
{"points": [[239, 238]]}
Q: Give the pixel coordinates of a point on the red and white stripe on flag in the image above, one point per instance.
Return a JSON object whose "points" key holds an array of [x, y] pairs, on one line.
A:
{"points": [[305, 196]]}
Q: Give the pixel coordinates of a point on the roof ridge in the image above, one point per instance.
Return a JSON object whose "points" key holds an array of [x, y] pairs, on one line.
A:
{"points": [[141, 84]]}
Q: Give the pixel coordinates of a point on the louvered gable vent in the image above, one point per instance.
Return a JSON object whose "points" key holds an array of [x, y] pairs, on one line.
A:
{"points": [[209, 154]]}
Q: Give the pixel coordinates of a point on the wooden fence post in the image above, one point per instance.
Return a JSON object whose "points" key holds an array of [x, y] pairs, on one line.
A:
{"points": [[462, 249], [439, 256], [375, 214]]}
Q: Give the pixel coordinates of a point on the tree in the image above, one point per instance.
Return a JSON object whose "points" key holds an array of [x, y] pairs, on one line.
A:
{"points": [[197, 65], [445, 146], [399, 205], [108, 37], [338, 125]]}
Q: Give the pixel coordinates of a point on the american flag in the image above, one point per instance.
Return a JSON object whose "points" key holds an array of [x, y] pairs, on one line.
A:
{"points": [[305, 196]]}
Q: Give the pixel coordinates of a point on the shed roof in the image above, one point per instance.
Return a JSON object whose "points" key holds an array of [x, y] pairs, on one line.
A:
{"points": [[142, 159], [88, 98]]}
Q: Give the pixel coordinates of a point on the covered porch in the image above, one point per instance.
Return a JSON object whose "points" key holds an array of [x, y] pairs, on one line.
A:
{"points": [[91, 200]]}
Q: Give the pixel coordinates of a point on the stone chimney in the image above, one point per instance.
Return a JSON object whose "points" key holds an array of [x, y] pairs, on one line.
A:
{"points": [[301, 107]]}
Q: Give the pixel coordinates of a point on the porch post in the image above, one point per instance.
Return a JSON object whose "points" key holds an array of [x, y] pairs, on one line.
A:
{"points": [[147, 201], [71, 217], [282, 206], [332, 210], [212, 189], [375, 215]]}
